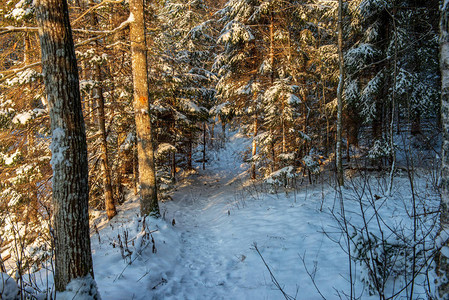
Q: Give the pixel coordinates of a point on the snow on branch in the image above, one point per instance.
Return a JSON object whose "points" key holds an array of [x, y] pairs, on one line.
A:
{"points": [[12, 72]]}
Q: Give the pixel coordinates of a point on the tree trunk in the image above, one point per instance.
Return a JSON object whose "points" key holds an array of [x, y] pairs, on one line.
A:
{"points": [[284, 138], [393, 104], [107, 184], [254, 150], [26, 54], [223, 127], [173, 167], [98, 95], [135, 169], [212, 134], [173, 154], [272, 45], [189, 152], [204, 146], [340, 178], [441, 260], [73, 257], [147, 172]]}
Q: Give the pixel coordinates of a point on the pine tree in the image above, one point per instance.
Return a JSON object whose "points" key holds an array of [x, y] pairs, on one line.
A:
{"points": [[261, 81], [182, 81], [392, 57]]}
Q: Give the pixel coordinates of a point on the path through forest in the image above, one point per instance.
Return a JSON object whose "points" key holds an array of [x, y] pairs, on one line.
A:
{"points": [[206, 267], [219, 216]]}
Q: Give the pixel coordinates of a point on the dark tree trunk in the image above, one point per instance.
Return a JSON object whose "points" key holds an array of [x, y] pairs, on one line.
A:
{"points": [[73, 257], [340, 178], [441, 259], [98, 95], [204, 146], [189, 153], [107, 183]]}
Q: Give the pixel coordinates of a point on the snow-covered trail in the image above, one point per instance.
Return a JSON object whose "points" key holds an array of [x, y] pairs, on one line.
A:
{"points": [[219, 219], [201, 206], [204, 268]]}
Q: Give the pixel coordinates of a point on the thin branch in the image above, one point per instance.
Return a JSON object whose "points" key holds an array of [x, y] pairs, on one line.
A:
{"points": [[311, 274], [10, 29], [95, 7], [273, 278], [12, 72]]}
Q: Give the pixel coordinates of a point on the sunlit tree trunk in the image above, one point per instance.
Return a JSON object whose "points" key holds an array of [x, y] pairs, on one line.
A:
{"points": [[147, 173], [26, 54], [254, 148], [73, 257]]}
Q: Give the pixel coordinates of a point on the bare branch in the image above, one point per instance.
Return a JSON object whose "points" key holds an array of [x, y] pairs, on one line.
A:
{"points": [[95, 7], [10, 29]]}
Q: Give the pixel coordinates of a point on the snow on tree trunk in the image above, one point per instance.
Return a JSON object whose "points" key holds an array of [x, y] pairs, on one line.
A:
{"points": [[147, 174], [442, 259], [73, 257], [340, 178]]}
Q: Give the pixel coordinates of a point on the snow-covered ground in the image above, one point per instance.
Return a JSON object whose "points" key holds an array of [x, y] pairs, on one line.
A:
{"points": [[204, 247]]}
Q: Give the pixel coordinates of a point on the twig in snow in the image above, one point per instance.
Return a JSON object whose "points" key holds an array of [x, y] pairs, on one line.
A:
{"points": [[273, 278]]}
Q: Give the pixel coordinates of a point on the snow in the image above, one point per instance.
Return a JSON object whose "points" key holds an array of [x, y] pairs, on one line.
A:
{"points": [[9, 159], [83, 288], [163, 149], [22, 118], [234, 32], [23, 77], [57, 150], [20, 10], [8, 288], [87, 85], [191, 107], [131, 18], [203, 247]]}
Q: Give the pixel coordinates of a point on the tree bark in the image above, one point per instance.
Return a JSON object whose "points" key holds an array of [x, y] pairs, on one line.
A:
{"points": [[107, 182], [73, 257], [147, 172], [98, 95], [189, 152], [441, 260], [254, 147], [204, 145], [339, 163]]}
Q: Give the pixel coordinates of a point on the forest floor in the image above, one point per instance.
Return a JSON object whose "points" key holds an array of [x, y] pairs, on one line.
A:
{"points": [[205, 244]]}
